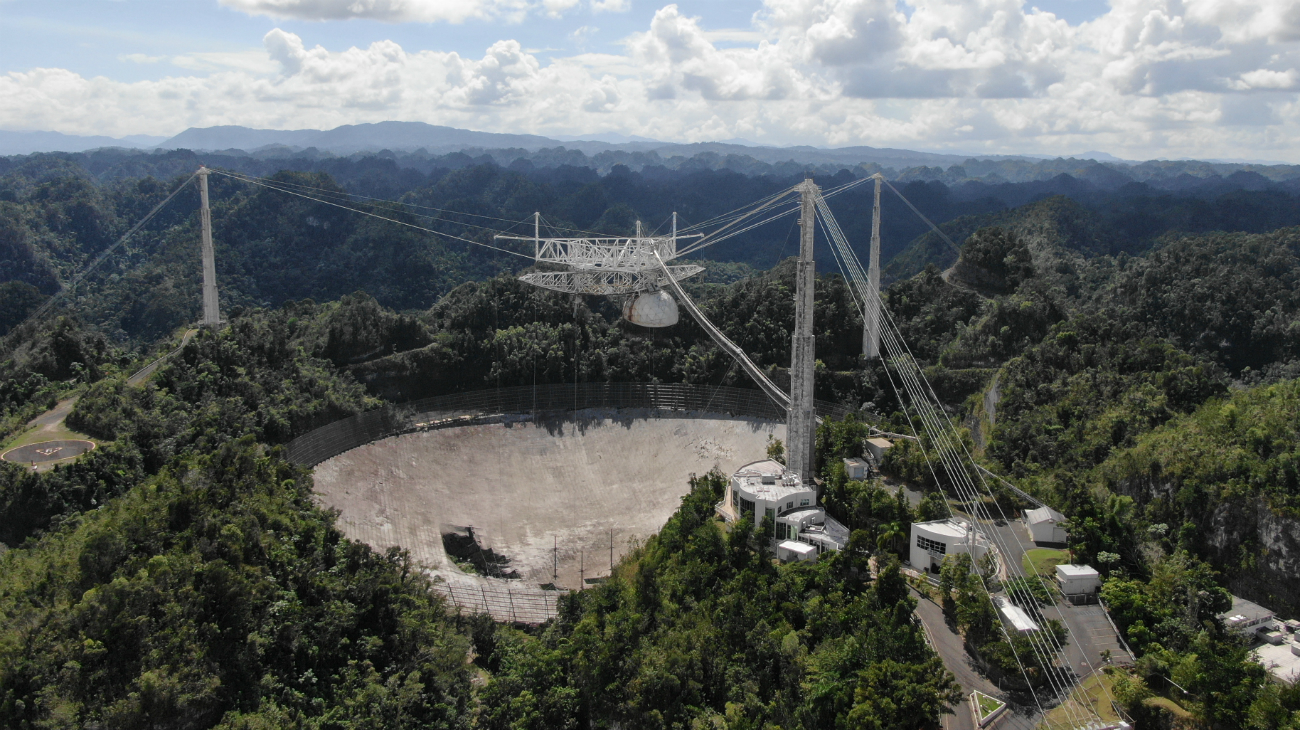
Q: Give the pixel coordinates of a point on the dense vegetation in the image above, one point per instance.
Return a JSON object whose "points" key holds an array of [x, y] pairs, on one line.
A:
{"points": [[1113, 352], [698, 628]]}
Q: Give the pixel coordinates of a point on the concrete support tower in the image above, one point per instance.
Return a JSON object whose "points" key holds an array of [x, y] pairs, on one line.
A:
{"points": [[211, 309], [801, 424], [871, 314]]}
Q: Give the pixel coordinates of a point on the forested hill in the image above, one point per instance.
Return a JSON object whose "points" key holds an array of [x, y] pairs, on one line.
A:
{"points": [[1128, 355], [57, 212]]}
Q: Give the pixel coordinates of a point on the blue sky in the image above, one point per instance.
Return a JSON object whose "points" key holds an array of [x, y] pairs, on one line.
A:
{"points": [[1136, 78]]}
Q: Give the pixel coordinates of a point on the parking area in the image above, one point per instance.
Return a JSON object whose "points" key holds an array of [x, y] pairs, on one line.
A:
{"points": [[1092, 635]]}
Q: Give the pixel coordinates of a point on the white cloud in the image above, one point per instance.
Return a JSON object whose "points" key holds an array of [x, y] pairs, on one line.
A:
{"points": [[1148, 78], [1266, 79], [611, 6], [141, 58], [388, 11]]}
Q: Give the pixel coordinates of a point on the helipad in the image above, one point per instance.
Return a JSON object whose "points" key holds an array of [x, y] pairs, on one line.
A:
{"points": [[47, 451]]}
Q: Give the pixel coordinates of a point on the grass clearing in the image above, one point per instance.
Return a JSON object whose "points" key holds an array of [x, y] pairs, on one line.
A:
{"points": [[1172, 707], [1095, 693], [1043, 561]]}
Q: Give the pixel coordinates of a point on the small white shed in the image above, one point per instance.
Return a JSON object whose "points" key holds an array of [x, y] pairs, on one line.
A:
{"points": [[1044, 525], [877, 447], [789, 550], [856, 469], [1078, 580]]}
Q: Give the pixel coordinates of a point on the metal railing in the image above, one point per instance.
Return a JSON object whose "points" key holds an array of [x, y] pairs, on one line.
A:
{"points": [[482, 406]]}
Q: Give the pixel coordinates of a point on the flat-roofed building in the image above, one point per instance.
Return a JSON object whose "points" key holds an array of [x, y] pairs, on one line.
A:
{"points": [[931, 542], [857, 469], [1246, 617], [1079, 583], [876, 448], [789, 550], [766, 489]]}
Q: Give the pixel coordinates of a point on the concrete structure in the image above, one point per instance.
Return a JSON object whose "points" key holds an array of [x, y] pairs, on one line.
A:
{"points": [[1079, 583], [877, 447], [211, 307], [857, 469], [1282, 660], [789, 550], [933, 541], [871, 310], [1044, 525], [801, 424], [1014, 617], [535, 492], [767, 489], [1247, 617]]}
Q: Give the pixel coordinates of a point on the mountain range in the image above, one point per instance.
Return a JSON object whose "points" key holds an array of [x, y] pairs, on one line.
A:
{"points": [[410, 136]]}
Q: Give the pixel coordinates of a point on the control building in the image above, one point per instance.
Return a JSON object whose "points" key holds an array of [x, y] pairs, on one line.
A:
{"points": [[934, 541], [768, 489]]}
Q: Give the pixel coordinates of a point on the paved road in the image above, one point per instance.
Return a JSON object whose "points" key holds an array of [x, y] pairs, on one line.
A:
{"points": [[950, 647], [143, 373]]}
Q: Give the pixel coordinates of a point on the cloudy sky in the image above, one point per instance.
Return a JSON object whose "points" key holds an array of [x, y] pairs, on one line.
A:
{"points": [[1135, 78]]}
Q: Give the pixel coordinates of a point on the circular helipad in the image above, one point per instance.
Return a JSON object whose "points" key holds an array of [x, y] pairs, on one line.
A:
{"points": [[47, 451]]}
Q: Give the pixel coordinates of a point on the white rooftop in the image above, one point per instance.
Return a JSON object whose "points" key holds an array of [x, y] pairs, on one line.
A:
{"points": [[1244, 611], [855, 461], [1015, 615], [1076, 571], [882, 443], [1280, 661], [947, 528], [769, 480], [830, 533], [1043, 514], [802, 548]]}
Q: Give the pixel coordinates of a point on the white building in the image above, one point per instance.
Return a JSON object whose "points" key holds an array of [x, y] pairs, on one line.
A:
{"points": [[767, 489], [1044, 525], [877, 447], [933, 541], [789, 550], [857, 469], [1247, 617], [1014, 617], [1079, 583]]}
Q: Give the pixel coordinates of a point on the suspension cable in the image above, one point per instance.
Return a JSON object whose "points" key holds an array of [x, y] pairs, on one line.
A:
{"points": [[45, 306], [383, 218]]}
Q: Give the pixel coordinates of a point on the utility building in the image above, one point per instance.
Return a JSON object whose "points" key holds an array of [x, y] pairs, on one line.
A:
{"points": [[1079, 583], [877, 447], [856, 469], [934, 541], [1045, 525]]}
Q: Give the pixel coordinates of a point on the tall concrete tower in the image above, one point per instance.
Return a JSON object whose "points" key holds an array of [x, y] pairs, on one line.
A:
{"points": [[871, 313], [211, 308], [802, 420]]}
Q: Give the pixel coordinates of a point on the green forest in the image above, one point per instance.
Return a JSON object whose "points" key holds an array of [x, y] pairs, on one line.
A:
{"points": [[1130, 358]]}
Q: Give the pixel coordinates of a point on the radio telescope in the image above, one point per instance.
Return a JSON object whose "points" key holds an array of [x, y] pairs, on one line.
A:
{"points": [[619, 266]]}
